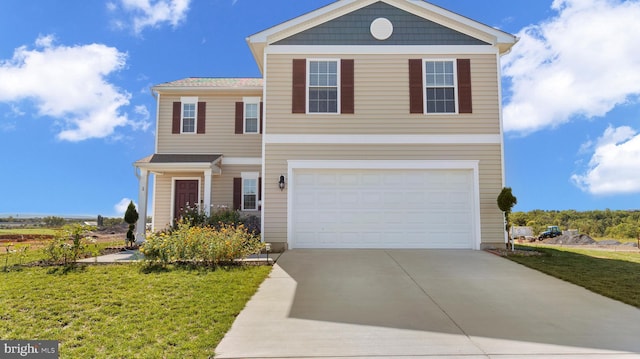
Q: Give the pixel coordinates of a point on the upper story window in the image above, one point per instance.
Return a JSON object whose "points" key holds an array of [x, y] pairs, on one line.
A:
{"points": [[189, 111], [248, 116], [251, 115], [440, 92], [189, 116], [440, 86], [323, 86]]}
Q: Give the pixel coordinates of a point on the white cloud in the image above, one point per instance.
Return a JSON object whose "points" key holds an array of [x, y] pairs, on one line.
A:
{"points": [[121, 207], [152, 13], [143, 115], [69, 84], [614, 167], [583, 62], [7, 126], [16, 111]]}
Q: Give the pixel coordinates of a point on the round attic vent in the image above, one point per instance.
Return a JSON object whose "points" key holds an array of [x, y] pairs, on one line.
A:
{"points": [[381, 28]]}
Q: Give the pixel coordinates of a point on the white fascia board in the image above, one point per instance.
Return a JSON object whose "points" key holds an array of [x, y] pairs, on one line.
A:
{"points": [[254, 161], [383, 139], [501, 36], [264, 35], [176, 167], [378, 49]]}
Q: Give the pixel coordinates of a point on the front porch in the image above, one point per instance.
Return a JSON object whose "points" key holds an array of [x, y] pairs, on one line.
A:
{"points": [[192, 180], [204, 166]]}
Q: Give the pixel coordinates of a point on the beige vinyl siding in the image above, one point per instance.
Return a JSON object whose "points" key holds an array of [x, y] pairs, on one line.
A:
{"points": [[163, 197], [221, 191], [490, 173], [220, 134], [382, 99]]}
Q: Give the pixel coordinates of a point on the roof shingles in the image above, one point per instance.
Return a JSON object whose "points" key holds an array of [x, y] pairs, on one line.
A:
{"points": [[213, 82]]}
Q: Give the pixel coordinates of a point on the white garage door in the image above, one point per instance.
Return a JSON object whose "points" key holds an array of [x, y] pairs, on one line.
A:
{"points": [[382, 208]]}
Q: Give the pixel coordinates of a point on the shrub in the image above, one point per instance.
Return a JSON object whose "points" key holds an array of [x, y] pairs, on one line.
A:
{"points": [[194, 217], [69, 245], [224, 216], [252, 223], [197, 244], [131, 217]]}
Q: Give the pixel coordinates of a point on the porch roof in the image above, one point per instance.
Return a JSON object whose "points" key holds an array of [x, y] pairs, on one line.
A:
{"points": [[175, 162]]}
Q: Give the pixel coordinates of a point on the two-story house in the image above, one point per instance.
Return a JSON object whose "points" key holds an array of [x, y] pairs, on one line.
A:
{"points": [[377, 124]]}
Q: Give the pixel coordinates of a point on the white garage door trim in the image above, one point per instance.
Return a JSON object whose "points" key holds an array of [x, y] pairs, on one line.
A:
{"points": [[385, 165]]}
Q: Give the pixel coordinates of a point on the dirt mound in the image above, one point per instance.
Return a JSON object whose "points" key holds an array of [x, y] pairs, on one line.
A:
{"points": [[567, 239], [120, 228], [23, 237], [609, 242]]}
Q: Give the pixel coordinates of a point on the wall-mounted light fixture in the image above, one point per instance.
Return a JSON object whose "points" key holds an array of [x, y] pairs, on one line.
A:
{"points": [[281, 183]]}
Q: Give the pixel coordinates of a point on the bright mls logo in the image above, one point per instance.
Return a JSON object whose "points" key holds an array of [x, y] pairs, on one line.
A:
{"points": [[40, 349]]}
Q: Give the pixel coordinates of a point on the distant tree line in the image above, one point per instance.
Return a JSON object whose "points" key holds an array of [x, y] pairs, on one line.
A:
{"points": [[616, 224], [55, 221]]}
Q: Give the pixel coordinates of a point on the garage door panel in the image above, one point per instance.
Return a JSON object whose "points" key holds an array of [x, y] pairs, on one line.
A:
{"points": [[392, 181], [348, 199], [392, 199], [458, 218], [371, 179], [324, 179], [382, 209], [349, 180], [372, 199]]}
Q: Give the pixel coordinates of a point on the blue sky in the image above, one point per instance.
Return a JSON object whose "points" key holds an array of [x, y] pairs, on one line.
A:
{"points": [[76, 109]]}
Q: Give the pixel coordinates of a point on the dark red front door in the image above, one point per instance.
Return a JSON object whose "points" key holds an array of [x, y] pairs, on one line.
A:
{"points": [[186, 195]]}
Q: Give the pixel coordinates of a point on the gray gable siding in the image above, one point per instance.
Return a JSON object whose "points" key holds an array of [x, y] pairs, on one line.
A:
{"points": [[353, 29]]}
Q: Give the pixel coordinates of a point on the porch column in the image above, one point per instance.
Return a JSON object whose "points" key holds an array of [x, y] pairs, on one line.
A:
{"points": [[208, 173], [143, 184]]}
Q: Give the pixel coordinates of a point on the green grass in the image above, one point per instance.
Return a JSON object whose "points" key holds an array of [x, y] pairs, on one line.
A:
{"points": [[612, 274], [42, 231], [125, 311], [20, 253]]}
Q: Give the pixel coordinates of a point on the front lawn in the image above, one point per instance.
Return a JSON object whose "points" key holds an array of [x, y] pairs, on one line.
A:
{"points": [[125, 311], [612, 274], [16, 254]]}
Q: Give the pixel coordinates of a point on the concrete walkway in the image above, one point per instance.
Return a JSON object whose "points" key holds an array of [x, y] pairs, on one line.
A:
{"points": [[129, 256], [125, 256], [425, 304]]}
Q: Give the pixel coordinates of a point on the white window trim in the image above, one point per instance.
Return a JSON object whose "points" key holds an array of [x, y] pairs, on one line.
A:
{"points": [[455, 85], [188, 100], [338, 84], [250, 101], [250, 176]]}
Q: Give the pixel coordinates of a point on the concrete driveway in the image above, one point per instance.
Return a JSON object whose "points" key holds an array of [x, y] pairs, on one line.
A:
{"points": [[425, 303]]}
